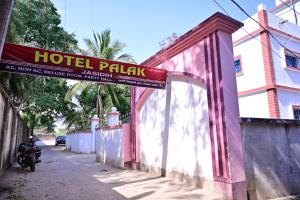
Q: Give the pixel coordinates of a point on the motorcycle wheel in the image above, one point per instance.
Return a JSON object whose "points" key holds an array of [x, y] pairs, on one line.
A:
{"points": [[22, 161], [32, 164]]}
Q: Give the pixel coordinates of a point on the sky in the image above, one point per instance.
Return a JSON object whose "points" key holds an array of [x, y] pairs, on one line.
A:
{"points": [[142, 24]]}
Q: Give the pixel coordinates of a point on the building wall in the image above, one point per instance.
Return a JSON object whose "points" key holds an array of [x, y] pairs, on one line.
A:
{"points": [[254, 105], [287, 13], [279, 23], [285, 76], [249, 26], [188, 150], [286, 100], [272, 157], [253, 75]]}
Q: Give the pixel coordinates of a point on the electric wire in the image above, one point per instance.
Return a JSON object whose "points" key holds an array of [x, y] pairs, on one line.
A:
{"points": [[283, 13], [271, 34], [294, 10], [250, 33], [65, 26]]}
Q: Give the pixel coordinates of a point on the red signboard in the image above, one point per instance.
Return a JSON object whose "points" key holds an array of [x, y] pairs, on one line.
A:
{"points": [[41, 62]]}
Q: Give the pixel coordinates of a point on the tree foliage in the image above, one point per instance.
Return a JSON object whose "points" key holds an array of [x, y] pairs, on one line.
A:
{"points": [[18, 87], [79, 114], [108, 95], [37, 23], [34, 23], [42, 100], [46, 103]]}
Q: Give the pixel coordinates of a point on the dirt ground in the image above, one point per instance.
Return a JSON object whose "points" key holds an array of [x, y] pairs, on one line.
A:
{"points": [[64, 175]]}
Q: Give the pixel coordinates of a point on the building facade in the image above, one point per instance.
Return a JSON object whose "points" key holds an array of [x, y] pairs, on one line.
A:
{"points": [[267, 62]]}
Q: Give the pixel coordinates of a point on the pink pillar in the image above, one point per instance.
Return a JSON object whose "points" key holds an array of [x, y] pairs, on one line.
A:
{"points": [[127, 148], [226, 140], [210, 49], [133, 128]]}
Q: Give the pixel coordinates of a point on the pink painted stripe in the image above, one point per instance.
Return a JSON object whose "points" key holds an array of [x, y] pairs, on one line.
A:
{"points": [[211, 104], [221, 108], [216, 108]]}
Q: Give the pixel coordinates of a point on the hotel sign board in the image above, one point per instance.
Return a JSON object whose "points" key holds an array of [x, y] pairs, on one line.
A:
{"points": [[41, 62]]}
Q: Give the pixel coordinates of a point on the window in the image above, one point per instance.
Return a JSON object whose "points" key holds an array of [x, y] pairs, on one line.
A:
{"points": [[292, 61], [237, 66], [296, 111]]}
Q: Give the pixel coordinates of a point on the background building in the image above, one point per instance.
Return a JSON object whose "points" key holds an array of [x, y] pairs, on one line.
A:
{"points": [[267, 62]]}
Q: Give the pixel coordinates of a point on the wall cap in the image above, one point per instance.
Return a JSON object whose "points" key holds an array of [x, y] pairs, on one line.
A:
{"points": [[272, 122], [78, 132], [109, 127]]}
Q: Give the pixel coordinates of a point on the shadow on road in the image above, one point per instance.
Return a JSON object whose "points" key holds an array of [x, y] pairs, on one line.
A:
{"points": [[63, 175]]}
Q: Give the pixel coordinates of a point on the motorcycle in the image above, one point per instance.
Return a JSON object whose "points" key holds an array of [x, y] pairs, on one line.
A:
{"points": [[28, 155]]}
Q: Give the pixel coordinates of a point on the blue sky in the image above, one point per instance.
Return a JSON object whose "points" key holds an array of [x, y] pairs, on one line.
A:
{"points": [[143, 24]]}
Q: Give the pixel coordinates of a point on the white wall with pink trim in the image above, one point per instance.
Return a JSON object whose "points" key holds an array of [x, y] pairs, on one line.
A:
{"points": [[254, 105], [287, 12], [249, 27], [286, 101], [286, 76], [253, 74], [188, 150], [113, 145], [81, 142]]}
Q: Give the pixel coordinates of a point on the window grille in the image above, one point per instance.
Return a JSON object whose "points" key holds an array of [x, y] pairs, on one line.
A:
{"points": [[237, 65], [292, 61], [297, 113]]}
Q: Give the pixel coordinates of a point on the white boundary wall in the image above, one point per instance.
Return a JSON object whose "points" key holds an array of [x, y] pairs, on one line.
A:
{"points": [[188, 150], [110, 146], [81, 142]]}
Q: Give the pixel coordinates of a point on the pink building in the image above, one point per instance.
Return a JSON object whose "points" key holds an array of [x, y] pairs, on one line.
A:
{"points": [[267, 63]]}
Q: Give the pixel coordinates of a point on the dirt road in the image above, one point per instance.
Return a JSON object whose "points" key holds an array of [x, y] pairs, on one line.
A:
{"points": [[67, 176]]}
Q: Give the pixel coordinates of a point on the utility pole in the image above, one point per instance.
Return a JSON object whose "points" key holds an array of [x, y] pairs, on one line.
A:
{"points": [[5, 13]]}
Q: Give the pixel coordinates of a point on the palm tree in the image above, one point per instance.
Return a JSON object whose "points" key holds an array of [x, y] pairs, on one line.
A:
{"points": [[102, 47]]}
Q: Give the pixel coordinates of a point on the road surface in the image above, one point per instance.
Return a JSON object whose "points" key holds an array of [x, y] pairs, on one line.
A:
{"points": [[64, 175]]}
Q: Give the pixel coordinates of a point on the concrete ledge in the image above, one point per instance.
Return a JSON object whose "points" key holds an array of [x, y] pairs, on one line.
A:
{"points": [[109, 127], [197, 181], [234, 191], [273, 122], [79, 132], [115, 163]]}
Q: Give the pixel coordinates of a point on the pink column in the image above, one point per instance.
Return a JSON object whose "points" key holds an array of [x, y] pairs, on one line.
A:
{"points": [[226, 140]]}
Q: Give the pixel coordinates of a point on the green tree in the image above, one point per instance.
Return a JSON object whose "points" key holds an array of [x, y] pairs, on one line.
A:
{"points": [[102, 46], [35, 23], [46, 104], [79, 114], [18, 87]]}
